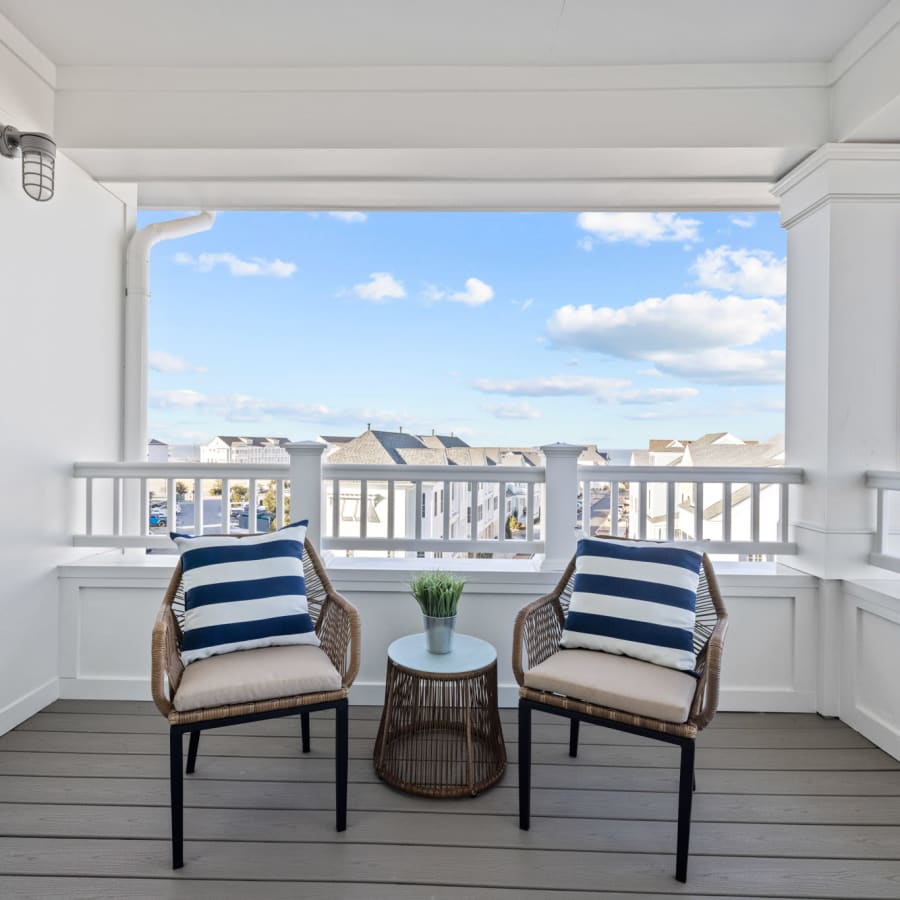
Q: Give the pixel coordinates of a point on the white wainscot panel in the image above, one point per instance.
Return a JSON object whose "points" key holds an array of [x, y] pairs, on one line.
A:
{"points": [[769, 660], [870, 694], [106, 626]]}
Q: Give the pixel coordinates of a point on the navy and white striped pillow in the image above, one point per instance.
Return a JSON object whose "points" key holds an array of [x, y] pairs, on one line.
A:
{"points": [[244, 593], [635, 599]]}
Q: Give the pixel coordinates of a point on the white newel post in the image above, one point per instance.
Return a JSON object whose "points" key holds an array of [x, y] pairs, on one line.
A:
{"points": [[841, 209], [306, 486], [560, 512]]}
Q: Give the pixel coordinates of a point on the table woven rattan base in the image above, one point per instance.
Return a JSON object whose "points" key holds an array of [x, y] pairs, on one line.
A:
{"points": [[440, 733]]}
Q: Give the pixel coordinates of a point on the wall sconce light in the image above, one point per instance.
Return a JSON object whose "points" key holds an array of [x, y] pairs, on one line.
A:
{"points": [[38, 159]]}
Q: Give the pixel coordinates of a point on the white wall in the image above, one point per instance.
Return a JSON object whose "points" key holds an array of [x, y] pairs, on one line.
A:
{"points": [[769, 662], [60, 317]]}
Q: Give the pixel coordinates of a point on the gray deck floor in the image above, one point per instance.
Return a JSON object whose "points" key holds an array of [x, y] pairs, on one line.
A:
{"points": [[786, 806]]}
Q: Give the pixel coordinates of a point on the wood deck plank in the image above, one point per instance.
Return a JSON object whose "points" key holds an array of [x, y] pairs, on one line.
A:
{"points": [[788, 806]]}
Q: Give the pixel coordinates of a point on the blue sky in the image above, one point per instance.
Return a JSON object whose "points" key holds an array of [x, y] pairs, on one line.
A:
{"points": [[504, 328]]}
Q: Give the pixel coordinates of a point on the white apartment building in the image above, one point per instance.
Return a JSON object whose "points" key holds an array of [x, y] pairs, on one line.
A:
{"points": [[225, 448]]}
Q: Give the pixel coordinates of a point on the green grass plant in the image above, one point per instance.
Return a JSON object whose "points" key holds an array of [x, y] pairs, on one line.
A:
{"points": [[437, 593]]}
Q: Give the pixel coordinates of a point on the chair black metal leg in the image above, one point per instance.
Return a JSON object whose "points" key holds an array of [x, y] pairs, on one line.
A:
{"points": [[342, 750], [685, 797], [193, 745], [177, 796], [304, 730], [573, 736], [524, 765]]}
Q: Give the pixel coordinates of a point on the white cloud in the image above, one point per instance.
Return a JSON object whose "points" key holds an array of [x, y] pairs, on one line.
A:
{"points": [[523, 304], [724, 365], [161, 361], [206, 262], [520, 410], [680, 322], [605, 390], [476, 293], [747, 221], [750, 273], [551, 386], [239, 407], [657, 395], [637, 227], [348, 215], [585, 243], [179, 398], [381, 286]]}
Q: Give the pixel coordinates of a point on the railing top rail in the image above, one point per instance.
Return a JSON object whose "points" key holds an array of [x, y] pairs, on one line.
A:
{"points": [[690, 474], [180, 470], [432, 473], [883, 478]]}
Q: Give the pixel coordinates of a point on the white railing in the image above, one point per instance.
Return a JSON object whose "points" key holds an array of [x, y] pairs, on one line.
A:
{"points": [[417, 489], [117, 500], [448, 510], [887, 484], [643, 502]]}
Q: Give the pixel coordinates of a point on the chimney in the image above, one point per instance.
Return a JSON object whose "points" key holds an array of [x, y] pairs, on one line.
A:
{"points": [[368, 426], [401, 429]]}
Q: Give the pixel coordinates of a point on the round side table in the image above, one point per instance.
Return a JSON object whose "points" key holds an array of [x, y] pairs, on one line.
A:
{"points": [[440, 733]]}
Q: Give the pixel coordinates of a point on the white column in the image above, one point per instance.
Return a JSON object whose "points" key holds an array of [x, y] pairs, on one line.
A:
{"points": [[560, 513], [306, 486], [841, 209]]}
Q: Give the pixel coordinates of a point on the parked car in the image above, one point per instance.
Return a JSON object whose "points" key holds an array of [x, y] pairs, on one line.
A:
{"points": [[158, 518]]}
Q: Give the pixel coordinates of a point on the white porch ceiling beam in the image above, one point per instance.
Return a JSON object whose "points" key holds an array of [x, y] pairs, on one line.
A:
{"points": [[621, 136], [866, 82]]}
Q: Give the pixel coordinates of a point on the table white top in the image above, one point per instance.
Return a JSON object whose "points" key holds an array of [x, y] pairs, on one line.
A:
{"points": [[468, 654]]}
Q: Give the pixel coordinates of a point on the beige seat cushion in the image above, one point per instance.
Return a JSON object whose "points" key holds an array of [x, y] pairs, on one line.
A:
{"points": [[250, 675], [619, 682]]}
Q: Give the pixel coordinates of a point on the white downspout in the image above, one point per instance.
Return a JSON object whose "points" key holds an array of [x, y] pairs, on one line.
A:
{"points": [[137, 300]]}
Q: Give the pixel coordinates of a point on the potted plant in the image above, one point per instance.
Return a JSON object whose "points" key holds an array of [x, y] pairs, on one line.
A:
{"points": [[437, 594]]}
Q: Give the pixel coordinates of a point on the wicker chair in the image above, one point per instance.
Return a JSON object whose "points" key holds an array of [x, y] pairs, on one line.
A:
{"points": [[338, 628], [537, 632]]}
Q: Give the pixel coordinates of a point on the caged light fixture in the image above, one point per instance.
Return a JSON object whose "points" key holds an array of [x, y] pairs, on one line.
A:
{"points": [[38, 159]]}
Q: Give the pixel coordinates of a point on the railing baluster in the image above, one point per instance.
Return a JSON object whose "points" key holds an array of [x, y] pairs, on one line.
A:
{"points": [[784, 524], [698, 511], [586, 507], [171, 505], [754, 512], [529, 511], [670, 511], [199, 511], [417, 516], [501, 511], [614, 507], [392, 491], [145, 507], [117, 506], [363, 508], [882, 521], [446, 511], [226, 506], [251, 508], [89, 506], [473, 494], [642, 504], [726, 511], [336, 507], [279, 503]]}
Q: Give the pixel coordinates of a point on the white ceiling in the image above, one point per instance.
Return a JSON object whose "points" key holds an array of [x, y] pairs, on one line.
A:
{"points": [[242, 33]]}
